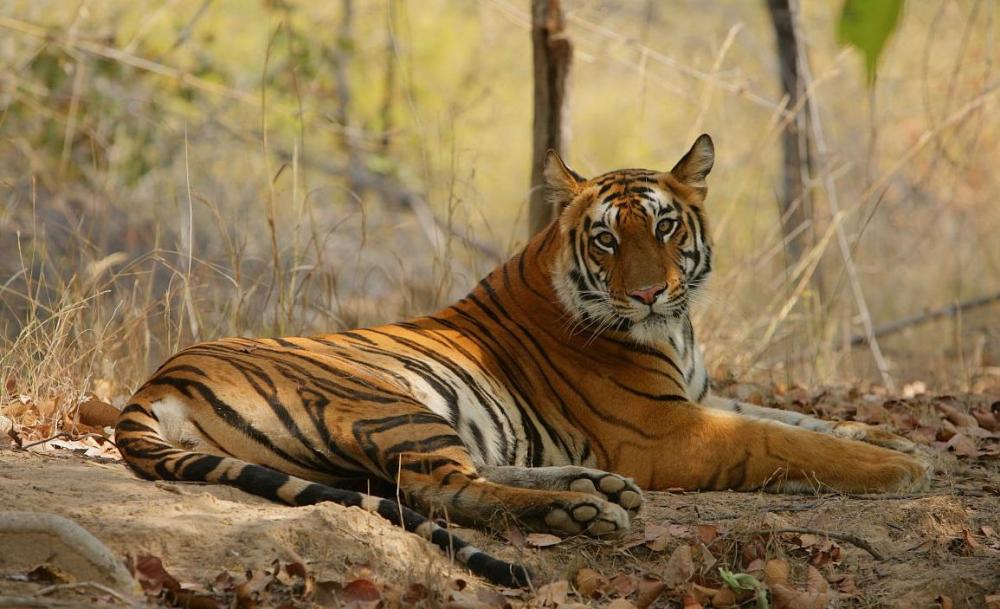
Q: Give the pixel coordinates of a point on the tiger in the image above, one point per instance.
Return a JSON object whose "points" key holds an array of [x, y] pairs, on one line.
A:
{"points": [[565, 383]]}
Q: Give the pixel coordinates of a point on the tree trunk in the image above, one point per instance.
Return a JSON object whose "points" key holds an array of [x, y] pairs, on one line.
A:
{"points": [[552, 53], [795, 204]]}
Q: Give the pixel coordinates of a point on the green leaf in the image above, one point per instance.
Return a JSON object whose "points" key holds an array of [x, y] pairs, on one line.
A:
{"points": [[866, 25], [745, 581]]}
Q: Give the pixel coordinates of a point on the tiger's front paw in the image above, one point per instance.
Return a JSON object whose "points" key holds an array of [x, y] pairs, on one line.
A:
{"points": [[617, 489], [589, 515], [903, 474], [854, 430]]}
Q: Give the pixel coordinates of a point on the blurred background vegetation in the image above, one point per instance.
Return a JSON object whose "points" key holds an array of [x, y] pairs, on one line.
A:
{"points": [[178, 170]]}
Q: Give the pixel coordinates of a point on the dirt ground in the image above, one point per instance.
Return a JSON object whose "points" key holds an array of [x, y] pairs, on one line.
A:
{"points": [[936, 548]]}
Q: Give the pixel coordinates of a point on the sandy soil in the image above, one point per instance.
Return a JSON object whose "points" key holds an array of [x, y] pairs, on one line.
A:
{"points": [[937, 544]]}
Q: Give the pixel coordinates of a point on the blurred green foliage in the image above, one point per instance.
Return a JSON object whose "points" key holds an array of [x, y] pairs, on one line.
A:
{"points": [[867, 26]]}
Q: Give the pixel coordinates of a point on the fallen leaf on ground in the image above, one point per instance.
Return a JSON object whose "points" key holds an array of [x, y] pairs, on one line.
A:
{"points": [[957, 417], [707, 533], [152, 576], [363, 590], [542, 540], [251, 592], [986, 419], [620, 603], [689, 602], [962, 446], [679, 567], [624, 584], [649, 590], [553, 594], [97, 413], [515, 536], [817, 594], [590, 583]]}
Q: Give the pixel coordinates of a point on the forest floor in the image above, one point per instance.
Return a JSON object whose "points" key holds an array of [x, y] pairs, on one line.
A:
{"points": [[205, 546]]}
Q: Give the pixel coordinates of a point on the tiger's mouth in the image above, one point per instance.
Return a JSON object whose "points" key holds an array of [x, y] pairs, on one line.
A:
{"points": [[657, 314]]}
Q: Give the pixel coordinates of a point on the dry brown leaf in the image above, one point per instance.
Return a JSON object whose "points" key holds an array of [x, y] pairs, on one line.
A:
{"points": [[553, 594], [590, 583], [708, 559], [542, 540], [962, 446], [152, 576], [706, 533], [251, 593], [679, 567], [416, 593], [223, 583], [786, 597], [623, 584], [97, 413], [363, 590], [815, 582], [776, 571], [515, 536], [649, 590], [469, 603], [724, 598], [945, 431], [944, 602], [845, 584], [955, 416], [986, 419], [490, 597], [816, 596], [689, 602], [658, 536], [620, 603], [992, 601]]}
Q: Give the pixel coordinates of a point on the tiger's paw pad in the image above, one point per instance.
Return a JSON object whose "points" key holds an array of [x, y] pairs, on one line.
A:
{"points": [[616, 489], [590, 516]]}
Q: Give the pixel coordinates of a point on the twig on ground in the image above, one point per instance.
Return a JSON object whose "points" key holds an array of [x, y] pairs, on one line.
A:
{"points": [[845, 537], [791, 507], [878, 497], [65, 434], [75, 585]]}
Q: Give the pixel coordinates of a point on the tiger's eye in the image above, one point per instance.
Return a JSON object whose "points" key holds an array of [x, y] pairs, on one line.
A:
{"points": [[606, 239], [664, 226]]}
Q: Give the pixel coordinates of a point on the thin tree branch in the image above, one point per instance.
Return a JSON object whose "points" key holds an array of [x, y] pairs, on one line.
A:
{"points": [[845, 537], [927, 316]]}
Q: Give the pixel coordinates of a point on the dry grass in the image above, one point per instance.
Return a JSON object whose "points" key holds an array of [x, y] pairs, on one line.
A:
{"points": [[165, 182]]}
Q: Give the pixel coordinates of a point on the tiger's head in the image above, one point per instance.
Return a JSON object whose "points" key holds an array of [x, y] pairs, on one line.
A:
{"points": [[636, 245]]}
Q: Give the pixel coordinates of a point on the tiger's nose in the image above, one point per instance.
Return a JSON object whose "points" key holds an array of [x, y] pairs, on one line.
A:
{"points": [[648, 294]]}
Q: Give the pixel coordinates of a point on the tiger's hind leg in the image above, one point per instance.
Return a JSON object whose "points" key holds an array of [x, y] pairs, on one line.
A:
{"points": [[447, 480], [606, 485]]}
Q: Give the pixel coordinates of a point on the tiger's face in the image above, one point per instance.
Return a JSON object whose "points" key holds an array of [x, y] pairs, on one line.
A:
{"points": [[637, 250]]}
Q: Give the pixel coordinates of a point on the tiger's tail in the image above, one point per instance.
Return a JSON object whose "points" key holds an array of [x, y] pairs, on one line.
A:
{"points": [[140, 440]]}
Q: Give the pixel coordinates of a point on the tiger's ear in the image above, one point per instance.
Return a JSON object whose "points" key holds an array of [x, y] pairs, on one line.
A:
{"points": [[695, 165], [562, 184]]}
